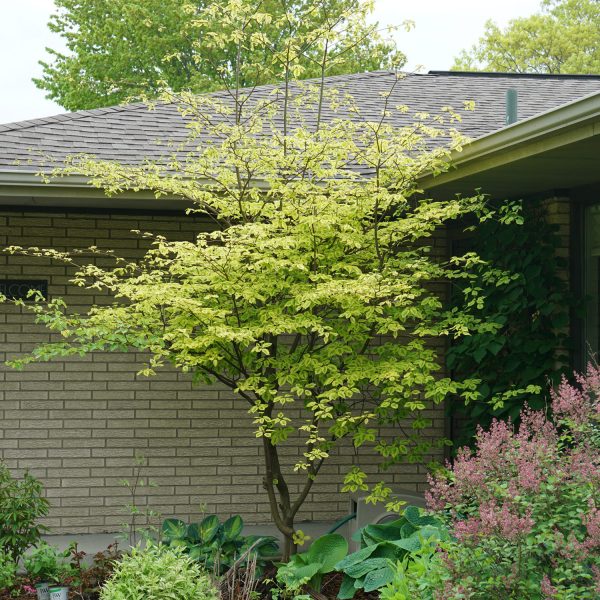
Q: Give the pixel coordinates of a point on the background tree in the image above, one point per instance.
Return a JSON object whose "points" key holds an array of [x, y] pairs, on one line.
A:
{"points": [[312, 299], [124, 49], [564, 37]]}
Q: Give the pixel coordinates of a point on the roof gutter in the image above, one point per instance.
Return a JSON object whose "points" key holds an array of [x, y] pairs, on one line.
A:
{"points": [[572, 122], [28, 189]]}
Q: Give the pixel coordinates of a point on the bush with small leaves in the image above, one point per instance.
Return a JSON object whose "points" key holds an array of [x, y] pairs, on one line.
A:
{"points": [[158, 573], [8, 571], [46, 563], [21, 506]]}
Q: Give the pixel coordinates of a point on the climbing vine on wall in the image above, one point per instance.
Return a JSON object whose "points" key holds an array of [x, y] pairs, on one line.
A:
{"points": [[532, 311]]}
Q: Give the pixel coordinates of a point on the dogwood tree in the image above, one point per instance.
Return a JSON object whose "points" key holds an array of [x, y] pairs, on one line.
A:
{"points": [[317, 291]]}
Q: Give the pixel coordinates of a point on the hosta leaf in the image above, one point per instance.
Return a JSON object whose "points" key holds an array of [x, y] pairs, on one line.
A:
{"points": [[263, 545], [412, 515], [410, 544], [173, 529], [377, 579], [362, 568], [383, 533], [199, 553], [232, 528], [209, 528], [387, 550], [193, 533], [328, 550], [407, 530], [347, 589], [354, 558]]}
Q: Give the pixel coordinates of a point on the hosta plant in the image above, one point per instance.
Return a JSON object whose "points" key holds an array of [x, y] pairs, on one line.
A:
{"points": [[308, 568], [215, 545], [372, 567], [525, 506]]}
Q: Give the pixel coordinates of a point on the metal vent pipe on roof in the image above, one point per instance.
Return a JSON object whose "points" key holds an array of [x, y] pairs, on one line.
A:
{"points": [[512, 107]]}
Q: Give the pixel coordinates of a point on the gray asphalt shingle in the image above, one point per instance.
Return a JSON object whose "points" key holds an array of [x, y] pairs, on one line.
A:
{"points": [[129, 133]]}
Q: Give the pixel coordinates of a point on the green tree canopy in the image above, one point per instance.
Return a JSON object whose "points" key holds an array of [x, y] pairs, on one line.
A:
{"points": [[564, 37], [126, 49], [316, 297]]}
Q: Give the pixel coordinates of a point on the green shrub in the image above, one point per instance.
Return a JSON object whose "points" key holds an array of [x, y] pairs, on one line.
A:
{"points": [[8, 571], [46, 563], [21, 505], [158, 573]]}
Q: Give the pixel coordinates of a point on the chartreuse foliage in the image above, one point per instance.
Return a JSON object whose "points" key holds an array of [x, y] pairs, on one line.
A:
{"points": [[564, 37], [126, 49], [382, 546], [308, 568], [531, 309], [157, 573], [313, 291], [216, 545]]}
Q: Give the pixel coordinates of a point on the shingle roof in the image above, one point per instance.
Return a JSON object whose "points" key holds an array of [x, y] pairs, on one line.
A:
{"points": [[129, 133]]}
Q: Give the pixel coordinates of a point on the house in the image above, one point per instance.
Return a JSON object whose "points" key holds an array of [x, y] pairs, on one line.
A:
{"points": [[78, 423]]}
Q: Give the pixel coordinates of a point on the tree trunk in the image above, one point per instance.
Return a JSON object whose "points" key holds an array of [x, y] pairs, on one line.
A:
{"points": [[279, 501]]}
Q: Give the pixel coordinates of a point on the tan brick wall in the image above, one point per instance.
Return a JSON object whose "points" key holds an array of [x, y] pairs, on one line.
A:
{"points": [[78, 423], [558, 212]]}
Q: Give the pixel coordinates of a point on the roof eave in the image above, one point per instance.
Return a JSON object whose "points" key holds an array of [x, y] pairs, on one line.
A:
{"points": [[569, 123]]}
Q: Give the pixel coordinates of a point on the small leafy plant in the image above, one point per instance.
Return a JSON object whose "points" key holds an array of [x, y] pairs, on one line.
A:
{"points": [[372, 567], [8, 571], [46, 563], [86, 579], [215, 545], [415, 575], [308, 568], [21, 506], [158, 573]]}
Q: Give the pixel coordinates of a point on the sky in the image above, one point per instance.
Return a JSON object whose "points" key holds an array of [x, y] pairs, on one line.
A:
{"points": [[442, 29]]}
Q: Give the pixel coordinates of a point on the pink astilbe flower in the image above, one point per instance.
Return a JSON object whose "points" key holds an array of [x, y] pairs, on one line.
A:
{"points": [[578, 405], [547, 589], [592, 524], [29, 590], [504, 523], [515, 482]]}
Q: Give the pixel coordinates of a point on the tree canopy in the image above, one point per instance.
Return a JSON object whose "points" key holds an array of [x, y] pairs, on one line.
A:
{"points": [[126, 49], [317, 296], [564, 37]]}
